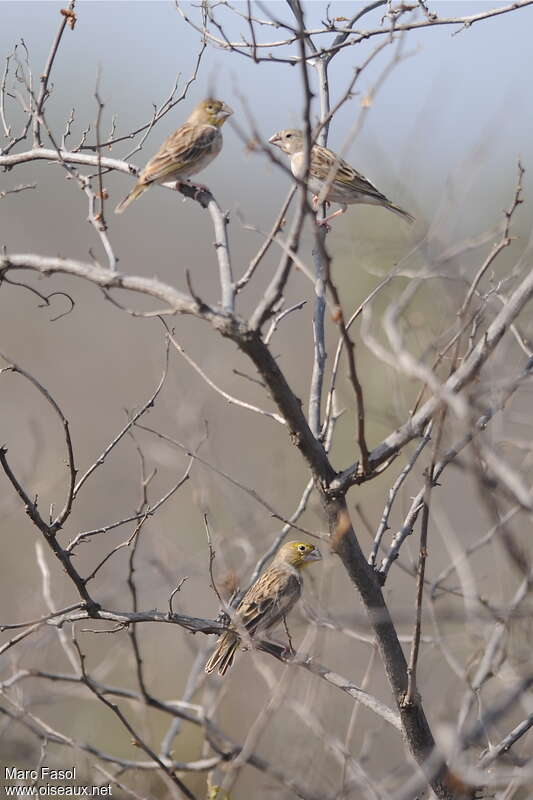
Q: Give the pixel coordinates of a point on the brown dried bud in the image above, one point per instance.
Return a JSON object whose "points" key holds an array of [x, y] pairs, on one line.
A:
{"points": [[336, 314], [71, 17]]}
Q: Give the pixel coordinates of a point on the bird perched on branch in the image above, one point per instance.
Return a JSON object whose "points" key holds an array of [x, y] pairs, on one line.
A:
{"points": [[331, 179], [266, 603], [186, 151]]}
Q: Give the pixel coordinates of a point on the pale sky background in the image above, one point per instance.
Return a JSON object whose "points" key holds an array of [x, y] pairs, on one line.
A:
{"points": [[452, 94], [442, 138]]}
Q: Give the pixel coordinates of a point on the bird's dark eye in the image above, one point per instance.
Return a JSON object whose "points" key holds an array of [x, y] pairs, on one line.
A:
{"points": [[288, 136], [302, 548]]}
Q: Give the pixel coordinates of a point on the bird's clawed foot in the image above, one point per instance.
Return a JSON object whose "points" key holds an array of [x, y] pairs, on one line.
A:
{"points": [[199, 188], [327, 219], [323, 223]]}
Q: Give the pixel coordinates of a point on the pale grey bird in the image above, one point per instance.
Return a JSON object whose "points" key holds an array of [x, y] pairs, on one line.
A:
{"points": [[331, 179]]}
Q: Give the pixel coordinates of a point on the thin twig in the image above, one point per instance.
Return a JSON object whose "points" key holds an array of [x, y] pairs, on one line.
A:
{"points": [[45, 77], [212, 556]]}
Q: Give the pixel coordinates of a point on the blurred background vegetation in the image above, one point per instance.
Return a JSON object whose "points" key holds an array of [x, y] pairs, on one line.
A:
{"points": [[442, 138]]}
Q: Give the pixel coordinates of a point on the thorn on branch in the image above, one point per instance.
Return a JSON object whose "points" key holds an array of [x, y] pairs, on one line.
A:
{"points": [[174, 592], [201, 305]]}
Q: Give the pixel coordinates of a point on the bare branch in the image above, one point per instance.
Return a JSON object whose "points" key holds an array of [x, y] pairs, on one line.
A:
{"points": [[129, 425], [45, 77], [232, 400], [31, 507]]}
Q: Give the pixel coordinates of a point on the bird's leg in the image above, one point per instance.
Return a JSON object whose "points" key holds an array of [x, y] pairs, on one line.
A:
{"points": [[337, 213], [323, 222], [316, 202]]}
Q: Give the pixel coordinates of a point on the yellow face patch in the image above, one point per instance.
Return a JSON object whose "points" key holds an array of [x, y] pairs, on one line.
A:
{"points": [[215, 111], [300, 553]]}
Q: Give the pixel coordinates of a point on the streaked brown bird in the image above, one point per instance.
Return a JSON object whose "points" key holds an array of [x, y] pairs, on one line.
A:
{"points": [[331, 179], [266, 602], [186, 151]]}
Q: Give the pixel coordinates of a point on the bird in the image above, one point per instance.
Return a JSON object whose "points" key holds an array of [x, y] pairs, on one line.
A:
{"points": [[186, 151], [266, 603], [331, 179]]}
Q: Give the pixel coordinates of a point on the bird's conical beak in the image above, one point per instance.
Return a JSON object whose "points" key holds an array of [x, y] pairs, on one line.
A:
{"points": [[314, 555], [226, 111], [275, 139]]}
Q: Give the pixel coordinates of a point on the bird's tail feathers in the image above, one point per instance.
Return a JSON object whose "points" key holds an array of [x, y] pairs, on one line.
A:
{"points": [[137, 190], [401, 213], [224, 653]]}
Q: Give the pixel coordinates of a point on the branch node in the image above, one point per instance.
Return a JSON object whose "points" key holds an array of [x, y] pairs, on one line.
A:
{"points": [[93, 608]]}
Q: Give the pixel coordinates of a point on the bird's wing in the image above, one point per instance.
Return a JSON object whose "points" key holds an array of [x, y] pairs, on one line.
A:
{"points": [[268, 600], [186, 146], [324, 160]]}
